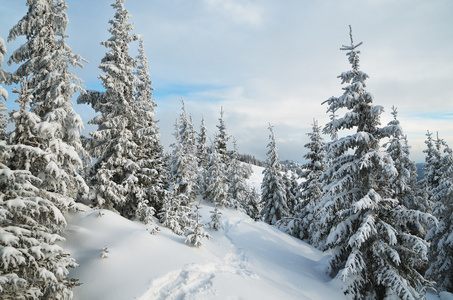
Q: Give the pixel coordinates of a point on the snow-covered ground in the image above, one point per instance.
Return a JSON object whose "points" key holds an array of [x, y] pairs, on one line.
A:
{"points": [[245, 260]]}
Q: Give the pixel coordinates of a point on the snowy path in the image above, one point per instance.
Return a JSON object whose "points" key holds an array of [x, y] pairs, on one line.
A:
{"points": [[195, 281], [251, 264]]}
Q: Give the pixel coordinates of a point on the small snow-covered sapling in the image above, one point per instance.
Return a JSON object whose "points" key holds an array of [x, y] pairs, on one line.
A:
{"points": [[215, 220]]}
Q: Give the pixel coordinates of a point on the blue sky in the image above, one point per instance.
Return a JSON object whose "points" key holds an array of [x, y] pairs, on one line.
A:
{"points": [[275, 61]]}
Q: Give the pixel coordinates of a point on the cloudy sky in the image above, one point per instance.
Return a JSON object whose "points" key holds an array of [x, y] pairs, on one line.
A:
{"points": [[275, 61]]}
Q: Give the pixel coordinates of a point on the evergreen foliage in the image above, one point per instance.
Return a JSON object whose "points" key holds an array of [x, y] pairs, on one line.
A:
{"points": [[237, 174], [405, 183], [113, 143], [203, 157], [44, 65], [175, 213], [31, 218], [215, 223], [196, 234], [290, 182], [5, 78], [432, 168], [151, 173], [252, 205], [184, 161], [441, 236], [216, 181], [202, 148], [364, 227], [221, 139], [128, 175], [32, 265], [310, 189], [273, 191]]}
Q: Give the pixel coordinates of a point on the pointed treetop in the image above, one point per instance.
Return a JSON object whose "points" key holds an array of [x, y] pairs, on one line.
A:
{"points": [[271, 129], [183, 102], [394, 112], [352, 47], [315, 123]]}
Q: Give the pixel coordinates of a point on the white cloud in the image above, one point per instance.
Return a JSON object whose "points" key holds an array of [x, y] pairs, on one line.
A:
{"points": [[276, 61], [238, 11]]}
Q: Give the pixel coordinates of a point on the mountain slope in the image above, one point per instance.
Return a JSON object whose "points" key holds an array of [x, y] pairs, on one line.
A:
{"points": [[244, 260]]}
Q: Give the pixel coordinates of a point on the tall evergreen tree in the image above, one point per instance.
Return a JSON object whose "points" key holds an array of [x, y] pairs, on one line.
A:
{"points": [[33, 266], [237, 174], [3, 93], [216, 181], [273, 192], [221, 139], [202, 148], [44, 61], [291, 187], [432, 168], [116, 144], [404, 185], [371, 251], [252, 205], [184, 161], [151, 173], [203, 157], [310, 189], [441, 236]]}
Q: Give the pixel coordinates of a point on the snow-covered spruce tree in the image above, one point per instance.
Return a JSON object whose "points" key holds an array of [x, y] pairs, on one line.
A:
{"points": [[125, 116], [196, 234], [371, 252], [252, 205], [44, 61], [273, 192], [404, 185], [310, 189], [32, 265], [216, 181], [237, 173], [4, 79], [202, 148], [441, 236], [221, 139], [215, 219], [184, 161], [432, 168], [202, 157], [175, 213], [150, 190], [405, 182], [290, 181]]}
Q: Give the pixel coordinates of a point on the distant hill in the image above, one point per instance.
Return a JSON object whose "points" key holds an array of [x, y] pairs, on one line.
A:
{"points": [[250, 159], [290, 165], [287, 165]]}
